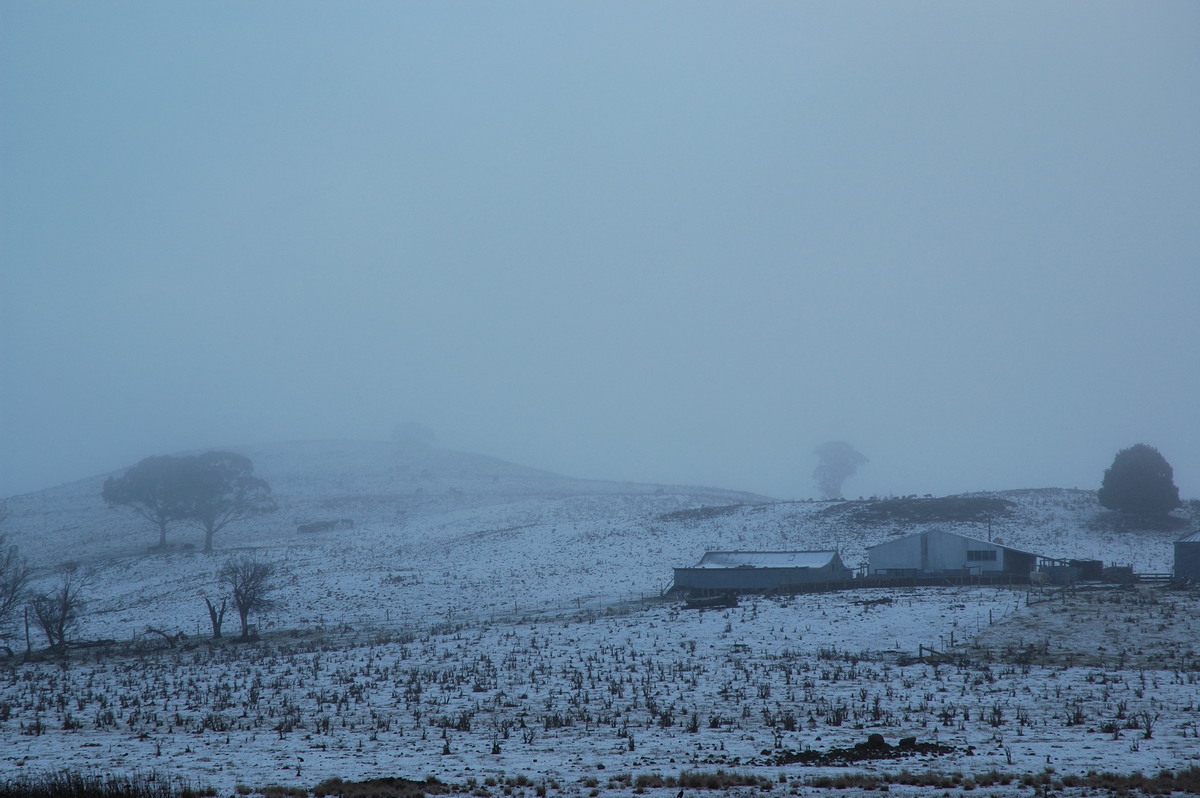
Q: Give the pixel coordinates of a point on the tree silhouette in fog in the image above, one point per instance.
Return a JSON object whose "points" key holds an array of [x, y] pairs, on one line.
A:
{"points": [[211, 490], [1140, 481], [221, 488], [156, 489], [837, 462]]}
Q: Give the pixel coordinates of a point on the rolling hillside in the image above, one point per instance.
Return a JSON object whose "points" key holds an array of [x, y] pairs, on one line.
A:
{"points": [[439, 534]]}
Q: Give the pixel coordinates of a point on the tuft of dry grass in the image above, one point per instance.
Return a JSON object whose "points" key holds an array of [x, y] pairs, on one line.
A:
{"points": [[73, 784], [1166, 782]]}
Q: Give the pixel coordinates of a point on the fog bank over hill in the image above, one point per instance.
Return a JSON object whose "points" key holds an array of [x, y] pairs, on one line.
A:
{"points": [[627, 241]]}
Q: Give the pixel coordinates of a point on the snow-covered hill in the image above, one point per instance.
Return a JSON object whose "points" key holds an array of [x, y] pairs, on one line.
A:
{"points": [[439, 534], [377, 484], [433, 531]]}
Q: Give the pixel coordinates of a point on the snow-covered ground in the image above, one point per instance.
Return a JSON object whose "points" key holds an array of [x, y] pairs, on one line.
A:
{"points": [[481, 619]]}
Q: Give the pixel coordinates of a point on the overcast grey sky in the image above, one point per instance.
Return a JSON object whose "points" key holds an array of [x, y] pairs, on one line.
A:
{"points": [[681, 242]]}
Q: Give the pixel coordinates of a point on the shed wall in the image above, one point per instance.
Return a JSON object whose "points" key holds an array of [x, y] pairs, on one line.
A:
{"points": [[1187, 561], [1016, 562], [896, 557], [755, 579]]}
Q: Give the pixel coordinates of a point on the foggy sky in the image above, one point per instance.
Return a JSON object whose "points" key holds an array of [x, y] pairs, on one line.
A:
{"points": [[680, 242]]}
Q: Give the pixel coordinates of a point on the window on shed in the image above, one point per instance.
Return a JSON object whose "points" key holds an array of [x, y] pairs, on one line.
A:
{"points": [[987, 555]]}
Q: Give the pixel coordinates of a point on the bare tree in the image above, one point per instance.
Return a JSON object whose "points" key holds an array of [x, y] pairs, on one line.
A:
{"points": [[14, 583], [250, 585], [57, 612], [216, 615]]}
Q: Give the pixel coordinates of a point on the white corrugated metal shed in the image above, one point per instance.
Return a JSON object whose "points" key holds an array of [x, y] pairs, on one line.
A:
{"points": [[766, 559], [1192, 538]]}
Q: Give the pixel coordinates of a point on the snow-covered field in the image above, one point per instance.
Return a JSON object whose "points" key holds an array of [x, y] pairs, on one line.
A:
{"points": [[481, 620]]}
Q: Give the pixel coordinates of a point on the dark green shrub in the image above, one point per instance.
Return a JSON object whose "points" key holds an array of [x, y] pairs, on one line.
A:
{"points": [[1140, 481]]}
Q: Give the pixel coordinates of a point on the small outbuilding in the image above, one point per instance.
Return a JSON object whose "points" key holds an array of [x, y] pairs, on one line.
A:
{"points": [[760, 571], [1187, 557], [936, 552]]}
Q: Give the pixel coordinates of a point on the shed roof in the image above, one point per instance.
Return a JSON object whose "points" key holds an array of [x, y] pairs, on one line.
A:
{"points": [[1192, 538], [766, 559], [955, 534]]}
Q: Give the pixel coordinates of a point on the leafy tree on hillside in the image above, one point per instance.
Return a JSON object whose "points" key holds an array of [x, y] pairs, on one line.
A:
{"points": [[156, 489], [1140, 482], [220, 488], [211, 490], [838, 461], [250, 584]]}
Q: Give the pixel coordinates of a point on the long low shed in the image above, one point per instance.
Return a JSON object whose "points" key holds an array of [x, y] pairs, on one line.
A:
{"points": [[760, 571]]}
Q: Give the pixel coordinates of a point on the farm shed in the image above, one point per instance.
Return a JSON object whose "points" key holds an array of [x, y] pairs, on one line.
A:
{"points": [[1187, 557], [937, 552], [759, 571]]}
